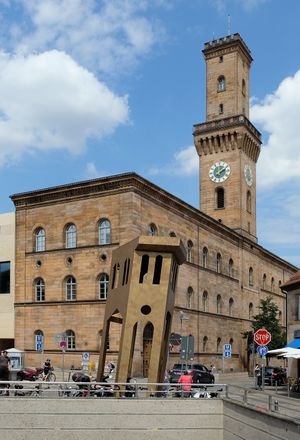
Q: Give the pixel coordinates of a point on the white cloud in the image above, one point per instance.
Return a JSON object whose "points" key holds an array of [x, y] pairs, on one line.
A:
{"points": [[278, 114], [91, 171], [184, 163], [247, 5], [48, 101], [109, 36]]}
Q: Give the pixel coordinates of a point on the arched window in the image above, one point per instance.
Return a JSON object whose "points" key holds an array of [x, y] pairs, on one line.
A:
{"points": [[219, 263], [104, 231], [39, 287], [230, 308], [205, 257], [189, 297], [249, 202], [218, 344], [204, 342], [152, 230], [221, 83], [230, 267], [189, 256], [264, 285], [40, 240], [272, 284], [103, 282], [71, 342], [250, 311], [205, 301], [251, 277], [221, 109], [219, 304], [70, 285], [220, 198], [157, 269], [231, 343], [70, 236]]}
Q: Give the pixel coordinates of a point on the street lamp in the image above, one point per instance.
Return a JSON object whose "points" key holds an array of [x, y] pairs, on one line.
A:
{"points": [[182, 318]]}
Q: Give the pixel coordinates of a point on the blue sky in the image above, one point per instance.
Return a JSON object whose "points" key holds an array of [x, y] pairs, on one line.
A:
{"points": [[91, 88]]}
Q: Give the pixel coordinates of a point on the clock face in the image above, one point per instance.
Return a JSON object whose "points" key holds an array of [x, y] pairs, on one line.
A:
{"points": [[248, 175], [219, 172]]}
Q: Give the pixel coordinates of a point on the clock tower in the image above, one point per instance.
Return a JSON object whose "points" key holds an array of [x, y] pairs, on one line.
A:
{"points": [[227, 143]]}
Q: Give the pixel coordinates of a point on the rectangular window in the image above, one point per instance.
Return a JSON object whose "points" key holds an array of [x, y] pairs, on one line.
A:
{"points": [[5, 277]]}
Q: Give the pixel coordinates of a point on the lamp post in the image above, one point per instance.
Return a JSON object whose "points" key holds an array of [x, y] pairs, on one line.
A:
{"points": [[182, 318]]}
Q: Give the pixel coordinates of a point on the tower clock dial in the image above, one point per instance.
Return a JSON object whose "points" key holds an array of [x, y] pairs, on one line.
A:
{"points": [[248, 175], [219, 172]]}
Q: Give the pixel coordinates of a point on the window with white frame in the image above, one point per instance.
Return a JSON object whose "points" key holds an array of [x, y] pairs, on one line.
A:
{"points": [[71, 342], [189, 249], [40, 240], [104, 231], [103, 285], [71, 236], [70, 288], [39, 290], [221, 83]]}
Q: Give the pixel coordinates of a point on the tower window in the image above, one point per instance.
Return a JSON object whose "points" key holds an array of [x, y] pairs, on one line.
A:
{"points": [[251, 282], [243, 87], [221, 59], [221, 109], [220, 198], [249, 202], [221, 84]]}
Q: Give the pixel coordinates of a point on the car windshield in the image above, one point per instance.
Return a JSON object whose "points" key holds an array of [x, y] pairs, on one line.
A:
{"points": [[181, 366]]}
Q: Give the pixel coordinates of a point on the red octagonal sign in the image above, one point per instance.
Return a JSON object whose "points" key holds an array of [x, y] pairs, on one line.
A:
{"points": [[262, 337]]}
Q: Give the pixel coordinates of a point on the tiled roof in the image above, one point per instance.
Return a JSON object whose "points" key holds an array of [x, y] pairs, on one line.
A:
{"points": [[292, 282]]}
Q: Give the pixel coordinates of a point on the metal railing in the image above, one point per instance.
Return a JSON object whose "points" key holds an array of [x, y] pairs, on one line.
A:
{"points": [[137, 390]]}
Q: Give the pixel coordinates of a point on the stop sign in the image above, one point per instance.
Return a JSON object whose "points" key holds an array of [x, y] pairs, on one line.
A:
{"points": [[262, 337]]}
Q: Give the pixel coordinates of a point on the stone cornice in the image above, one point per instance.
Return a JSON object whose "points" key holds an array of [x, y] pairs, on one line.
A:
{"points": [[235, 132]]}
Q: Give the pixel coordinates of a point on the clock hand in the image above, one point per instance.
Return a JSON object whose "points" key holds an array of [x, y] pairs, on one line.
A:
{"points": [[220, 170]]}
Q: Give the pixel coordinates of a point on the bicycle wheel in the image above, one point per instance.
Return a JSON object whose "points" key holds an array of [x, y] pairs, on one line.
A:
{"points": [[50, 377]]}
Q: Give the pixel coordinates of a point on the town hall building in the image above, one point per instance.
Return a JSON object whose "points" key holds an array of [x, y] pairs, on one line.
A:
{"points": [[65, 236]]}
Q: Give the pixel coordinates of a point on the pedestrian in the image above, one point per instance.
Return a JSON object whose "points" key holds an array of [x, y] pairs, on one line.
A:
{"points": [[47, 368], [5, 365], [186, 379], [257, 373]]}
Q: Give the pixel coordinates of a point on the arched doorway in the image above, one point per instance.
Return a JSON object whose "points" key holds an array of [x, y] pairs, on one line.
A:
{"points": [[147, 345]]}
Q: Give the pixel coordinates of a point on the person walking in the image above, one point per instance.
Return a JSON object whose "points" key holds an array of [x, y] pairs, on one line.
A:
{"points": [[186, 379], [258, 378], [5, 364]]}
